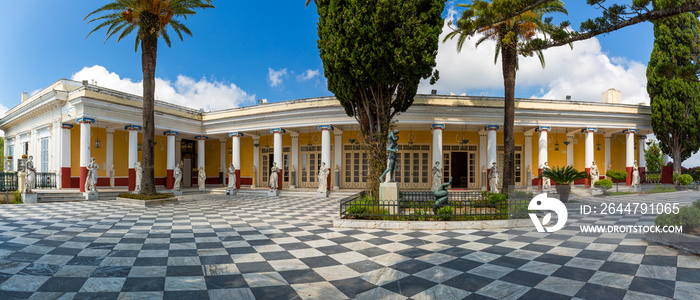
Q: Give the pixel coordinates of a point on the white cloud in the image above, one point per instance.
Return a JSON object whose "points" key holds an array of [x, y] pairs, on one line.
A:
{"points": [[276, 77], [185, 91], [584, 72], [308, 75]]}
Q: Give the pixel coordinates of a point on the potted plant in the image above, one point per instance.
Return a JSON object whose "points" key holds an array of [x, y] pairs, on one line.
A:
{"points": [[564, 176]]}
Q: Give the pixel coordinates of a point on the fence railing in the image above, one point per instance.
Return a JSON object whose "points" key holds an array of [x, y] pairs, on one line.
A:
{"points": [[652, 177], [45, 180], [419, 206], [8, 181]]}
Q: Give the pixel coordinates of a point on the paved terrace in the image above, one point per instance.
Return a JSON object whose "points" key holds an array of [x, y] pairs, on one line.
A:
{"points": [[248, 246]]}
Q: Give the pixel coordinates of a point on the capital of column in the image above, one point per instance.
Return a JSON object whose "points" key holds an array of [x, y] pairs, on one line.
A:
{"points": [[277, 130], [85, 120], [642, 137], [491, 127], [629, 131], [437, 126], [589, 129], [201, 138], [110, 131], [236, 134], [171, 133], [608, 136], [67, 126], [133, 127], [543, 128], [294, 135], [338, 133], [325, 127]]}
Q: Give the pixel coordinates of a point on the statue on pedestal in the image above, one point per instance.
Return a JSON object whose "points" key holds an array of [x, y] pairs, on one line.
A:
{"points": [[202, 178], [139, 171], [635, 174], [437, 177], [274, 176], [494, 177], [231, 177], [30, 182], [441, 196], [595, 173], [323, 173], [546, 183], [391, 160], [91, 180], [177, 173]]}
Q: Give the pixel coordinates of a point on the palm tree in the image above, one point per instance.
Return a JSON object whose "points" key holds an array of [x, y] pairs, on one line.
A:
{"points": [[493, 21], [564, 177], [150, 19]]}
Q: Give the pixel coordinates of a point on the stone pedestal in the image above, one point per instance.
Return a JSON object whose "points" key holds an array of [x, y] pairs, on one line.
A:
{"points": [[323, 194], [21, 178], [90, 196], [635, 188], [202, 189], [29, 198], [337, 181], [231, 192], [389, 195], [273, 193], [176, 193]]}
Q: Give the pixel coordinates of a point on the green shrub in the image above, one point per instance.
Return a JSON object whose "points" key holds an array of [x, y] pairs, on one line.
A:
{"points": [[688, 217], [604, 184], [696, 203], [661, 189], [18, 197], [685, 179], [358, 207], [497, 198], [616, 175], [485, 194], [445, 213], [142, 197]]}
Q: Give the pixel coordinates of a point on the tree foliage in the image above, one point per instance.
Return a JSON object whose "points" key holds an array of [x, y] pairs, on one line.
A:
{"points": [[150, 19], [482, 18], [653, 157], [374, 55], [675, 100]]}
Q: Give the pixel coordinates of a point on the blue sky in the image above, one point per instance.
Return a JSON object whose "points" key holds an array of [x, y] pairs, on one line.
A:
{"points": [[242, 51]]}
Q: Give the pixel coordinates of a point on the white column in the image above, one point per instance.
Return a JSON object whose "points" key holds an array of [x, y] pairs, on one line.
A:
{"points": [[588, 158], [640, 147], [629, 153], [201, 150], [295, 160], [170, 159], [326, 144], [338, 158], [178, 144], [64, 155], [527, 153], [55, 148], [483, 158], [437, 144], [256, 159], [277, 143], [84, 149], [570, 149], [542, 146], [236, 155], [492, 147], [133, 144], [608, 146], [110, 155]]}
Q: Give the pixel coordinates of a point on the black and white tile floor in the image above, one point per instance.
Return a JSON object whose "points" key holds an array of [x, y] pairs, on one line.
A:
{"points": [[285, 248]]}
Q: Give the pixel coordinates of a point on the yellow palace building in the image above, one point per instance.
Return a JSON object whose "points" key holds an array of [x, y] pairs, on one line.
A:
{"points": [[69, 122]]}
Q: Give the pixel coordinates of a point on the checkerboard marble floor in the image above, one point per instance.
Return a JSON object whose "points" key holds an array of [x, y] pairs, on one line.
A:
{"points": [[246, 247]]}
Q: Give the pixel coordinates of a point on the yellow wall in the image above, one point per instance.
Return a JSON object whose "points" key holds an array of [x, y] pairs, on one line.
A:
{"points": [[160, 162], [121, 153], [75, 151]]}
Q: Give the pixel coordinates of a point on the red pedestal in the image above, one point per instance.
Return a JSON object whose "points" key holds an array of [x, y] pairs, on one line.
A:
{"points": [[238, 179], [667, 174], [83, 178], [132, 179], [169, 180], [488, 182], [65, 178], [587, 181], [629, 175], [279, 181], [328, 183], [539, 179]]}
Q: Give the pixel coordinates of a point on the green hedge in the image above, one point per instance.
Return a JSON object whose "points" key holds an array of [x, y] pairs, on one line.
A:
{"points": [[688, 217]]}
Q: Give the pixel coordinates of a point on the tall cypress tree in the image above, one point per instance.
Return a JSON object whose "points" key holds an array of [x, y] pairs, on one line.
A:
{"points": [[674, 92]]}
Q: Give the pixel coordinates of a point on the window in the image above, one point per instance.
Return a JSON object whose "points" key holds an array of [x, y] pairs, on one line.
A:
{"points": [[44, 166], [413, 169], [10, 152], [356, 167], [310, 163]]}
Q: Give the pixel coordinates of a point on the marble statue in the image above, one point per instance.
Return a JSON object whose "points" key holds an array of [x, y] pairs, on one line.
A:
{"points": [[202, 178], [231, 177], [323, 173], [441, 196], [8, 164], [274, 176], [494, 176], [595, 173], [528, 171], [91, 180], [546, 183], [393, 146], [29, 183], [635, 174], [139, 173], [111, 175], [437, 177], [177, 173]]}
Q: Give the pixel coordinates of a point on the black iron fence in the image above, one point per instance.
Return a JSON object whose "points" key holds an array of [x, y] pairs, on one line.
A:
{"points": [[420, 206], [45, 180], [652, 177], [8, 181]]}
